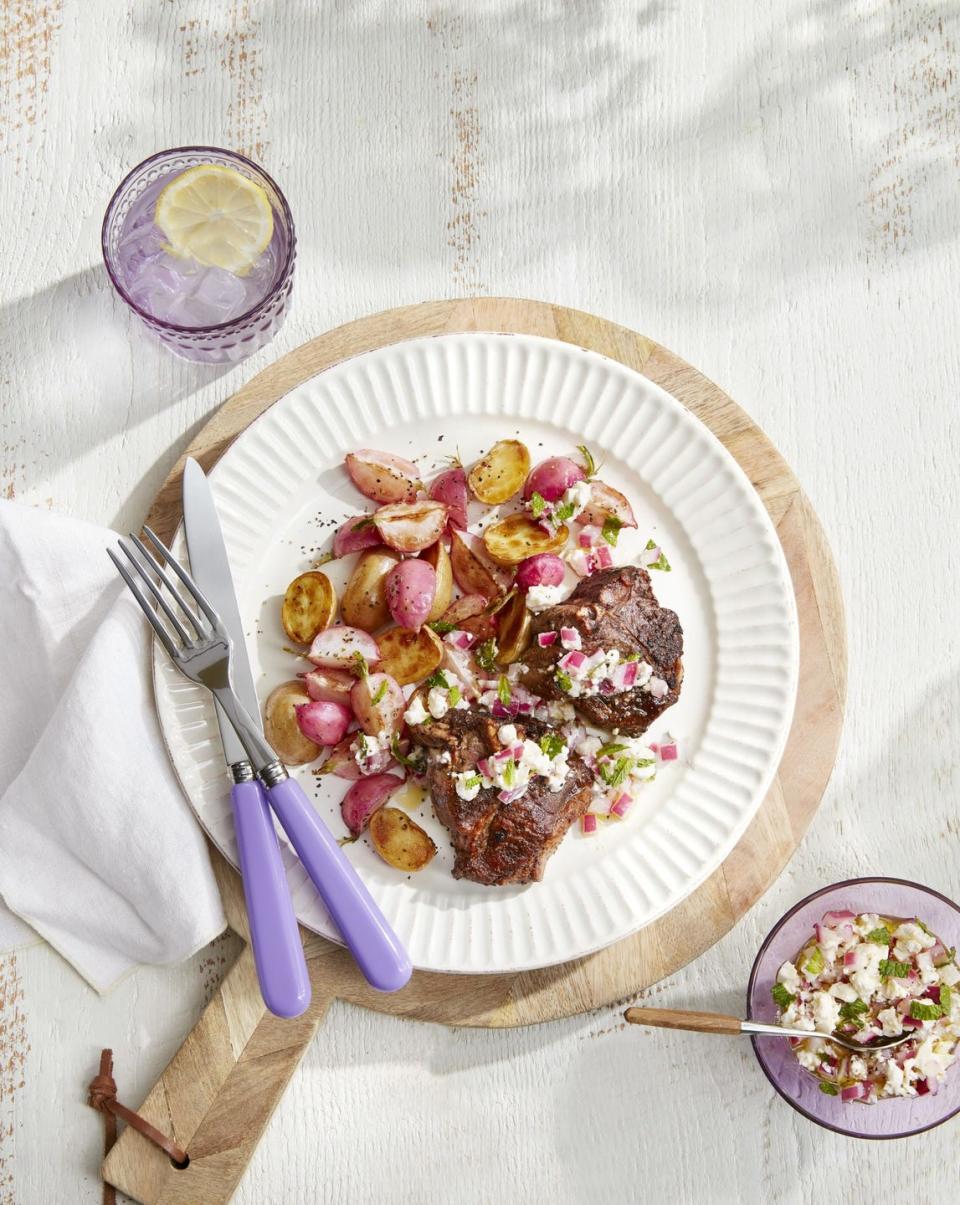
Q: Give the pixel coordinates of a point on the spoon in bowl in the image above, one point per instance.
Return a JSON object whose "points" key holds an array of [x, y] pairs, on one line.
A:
{"points": [[677, 1018]]}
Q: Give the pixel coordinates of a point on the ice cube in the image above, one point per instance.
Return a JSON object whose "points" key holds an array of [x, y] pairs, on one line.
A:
{"points": [[207, 297]]}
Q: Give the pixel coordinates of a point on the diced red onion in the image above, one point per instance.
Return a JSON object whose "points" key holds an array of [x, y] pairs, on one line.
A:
{"points": [[483, 765], [933, 1086], [604, 556], [524, 707], [831, 919], [545, 639], [855, 1091], [933, 993], [909, 1022], [650, 556], [570, 638], [850, 959], [607, 687], [510, 796], [582, 562], [505, 711], [517, 751], [589, 536], [459, 639], [572, 662], [621, 805], [668, 752], [922, 1086], [588, 824], [939, 953]]}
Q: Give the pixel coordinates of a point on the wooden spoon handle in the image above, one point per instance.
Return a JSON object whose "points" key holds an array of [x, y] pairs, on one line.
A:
{"points": [[676, 1018]]}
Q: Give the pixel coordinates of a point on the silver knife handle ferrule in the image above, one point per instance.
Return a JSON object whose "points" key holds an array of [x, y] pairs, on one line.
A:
{"points": [[242, 771], [273, 773]]}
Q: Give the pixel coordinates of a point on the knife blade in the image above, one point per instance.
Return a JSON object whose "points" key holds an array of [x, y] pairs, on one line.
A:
{"points": [[211, 570]]}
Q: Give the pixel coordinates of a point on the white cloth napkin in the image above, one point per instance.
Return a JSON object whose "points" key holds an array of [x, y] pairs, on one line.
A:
{"points": [[99, 851]]}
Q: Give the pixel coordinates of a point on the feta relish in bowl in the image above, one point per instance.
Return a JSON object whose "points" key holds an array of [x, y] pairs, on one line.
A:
{"points": [[871, 959], [869, 976]]}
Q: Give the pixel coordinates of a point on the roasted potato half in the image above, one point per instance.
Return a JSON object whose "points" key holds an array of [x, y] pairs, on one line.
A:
{"points": [[500, 474], [309, 606], [513, 630], [281, 727], [472, 568], [400, 841], [364, 603], [439, 558], [517, 537], [408, 656]]}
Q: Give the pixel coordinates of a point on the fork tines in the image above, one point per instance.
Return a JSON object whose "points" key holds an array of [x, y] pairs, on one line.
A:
{"points": [[146, 565]]}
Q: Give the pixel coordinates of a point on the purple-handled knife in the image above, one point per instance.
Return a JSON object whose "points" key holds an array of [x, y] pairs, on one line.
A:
{"points": [[274, 936], [377, 949]]}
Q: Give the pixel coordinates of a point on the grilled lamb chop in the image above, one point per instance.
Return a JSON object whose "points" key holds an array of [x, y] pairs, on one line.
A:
{"points": [[497, 843], [614, 609]]}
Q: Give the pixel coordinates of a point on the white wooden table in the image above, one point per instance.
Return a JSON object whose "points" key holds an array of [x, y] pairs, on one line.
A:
{"points": [[771, 191]]}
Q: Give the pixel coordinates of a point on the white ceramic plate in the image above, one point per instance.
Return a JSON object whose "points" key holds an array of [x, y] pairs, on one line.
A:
{"points": [[282, 492]]}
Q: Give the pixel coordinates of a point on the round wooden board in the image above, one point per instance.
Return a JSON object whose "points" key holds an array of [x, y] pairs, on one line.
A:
{"points": [[669, 943]]}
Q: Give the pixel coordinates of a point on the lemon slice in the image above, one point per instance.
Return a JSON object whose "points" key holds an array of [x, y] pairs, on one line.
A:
{"points": [[216, 216]]}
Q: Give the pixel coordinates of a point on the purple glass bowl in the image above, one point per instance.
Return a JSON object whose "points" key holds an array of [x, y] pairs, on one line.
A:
{"points": [[895, 1118], [226, 342]]}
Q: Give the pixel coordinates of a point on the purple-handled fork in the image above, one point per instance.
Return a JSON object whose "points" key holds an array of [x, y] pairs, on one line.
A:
{"points": [[205, 658]]}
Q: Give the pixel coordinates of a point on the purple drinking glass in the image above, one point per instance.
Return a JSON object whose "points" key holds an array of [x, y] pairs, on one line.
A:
{"points": [[898, 1117], [204, 314]]}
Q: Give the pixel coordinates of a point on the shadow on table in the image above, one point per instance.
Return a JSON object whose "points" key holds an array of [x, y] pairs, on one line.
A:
{"points": [[76, 339]]}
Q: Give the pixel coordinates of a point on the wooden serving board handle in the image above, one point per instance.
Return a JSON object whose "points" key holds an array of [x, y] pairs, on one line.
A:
{"points": [[677, 1018]]}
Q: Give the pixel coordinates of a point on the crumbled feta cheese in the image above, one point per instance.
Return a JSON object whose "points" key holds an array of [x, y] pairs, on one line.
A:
{"points": [[949, 974], [865, 923], [507, 734], [844, 992], [368, 750], [468, 784], [866, 968], [933, 1057], [889, 1018], [894, 1084], [911, 939], [416, 713], [578, 496], [928, 972], [789, 976], [438, 704], [857, 1067], [540, 597], [826, 1012], [808, 1058]]}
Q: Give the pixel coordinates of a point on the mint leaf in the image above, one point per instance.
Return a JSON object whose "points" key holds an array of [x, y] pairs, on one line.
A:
{"points": [[781, 995], [381, 691], [438, 678], [617, 774], [894, 970], [880, 936], [563, 680], [362, 524], [537, 504], [510, 773], [610, 749], [412, 762], [486, 654], [441, 627], [829, 1089], [946, 998], [925, 1010], [563, 512], [552, 745], [589, 463], [360, 667], [454, 695], [504, 693], [473, 781], [852, 1009], [611, 529]]}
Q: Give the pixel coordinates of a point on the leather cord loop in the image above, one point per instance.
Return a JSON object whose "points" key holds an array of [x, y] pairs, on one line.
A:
{"points": [[102, 1095]]}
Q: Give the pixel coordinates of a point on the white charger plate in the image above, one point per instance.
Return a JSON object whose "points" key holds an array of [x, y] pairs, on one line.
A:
{"points": [[281, 491]]}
